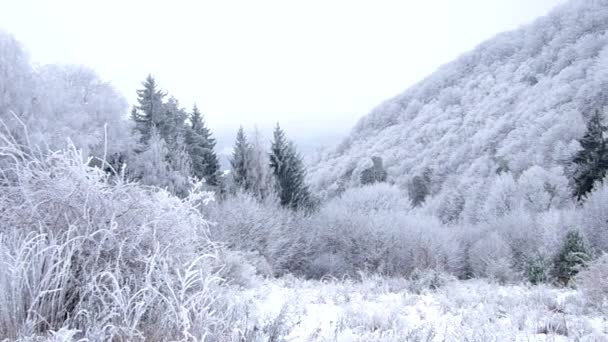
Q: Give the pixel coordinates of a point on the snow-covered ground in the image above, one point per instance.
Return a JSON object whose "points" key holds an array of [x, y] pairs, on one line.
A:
{"points": [[379, 309]]}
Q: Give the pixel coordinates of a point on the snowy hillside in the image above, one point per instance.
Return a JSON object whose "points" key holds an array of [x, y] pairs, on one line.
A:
{"points": [[518, 100]]}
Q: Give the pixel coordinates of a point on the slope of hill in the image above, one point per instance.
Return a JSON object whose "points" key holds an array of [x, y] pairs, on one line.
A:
{"points": [[518, 100]]}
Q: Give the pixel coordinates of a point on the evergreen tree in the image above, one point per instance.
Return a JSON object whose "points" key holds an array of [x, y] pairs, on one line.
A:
{"points": [[201, 145], [592, 160], [572, 256], [148, 114], [241, 161], [289, 174], [173, 124], [538, 269], [418, 189], [374, 174], [158, 166], [162, 159]]}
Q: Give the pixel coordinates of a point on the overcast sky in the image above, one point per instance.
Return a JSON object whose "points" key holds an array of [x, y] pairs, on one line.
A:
{"points": [[314, 65]]}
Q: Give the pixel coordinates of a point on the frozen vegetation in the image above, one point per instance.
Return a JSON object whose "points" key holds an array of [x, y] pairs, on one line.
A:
{"points": [[428, 308], [472, 207], [516, 104]]}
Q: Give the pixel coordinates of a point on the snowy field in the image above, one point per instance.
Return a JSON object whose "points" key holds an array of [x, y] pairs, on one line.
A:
{"points": [[398, 310]]}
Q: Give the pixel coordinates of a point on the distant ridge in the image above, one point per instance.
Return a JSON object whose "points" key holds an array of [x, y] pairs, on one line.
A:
{"points": [[516, 101]]}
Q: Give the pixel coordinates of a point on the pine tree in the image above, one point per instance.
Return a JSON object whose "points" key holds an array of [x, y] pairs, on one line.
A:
{"points": [[161, 158], [241, 161], [201, 145], [172, 126], [148, 114], [289, 174], [572, 256], [592, 160]]}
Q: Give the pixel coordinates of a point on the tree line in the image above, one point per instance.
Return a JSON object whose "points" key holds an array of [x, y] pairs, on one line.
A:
{"points": [[175, 146]]}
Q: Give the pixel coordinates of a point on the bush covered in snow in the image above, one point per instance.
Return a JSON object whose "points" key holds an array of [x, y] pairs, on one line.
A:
{"points": [[593, 281], [100, 258], [368, 229], [491, 257]]}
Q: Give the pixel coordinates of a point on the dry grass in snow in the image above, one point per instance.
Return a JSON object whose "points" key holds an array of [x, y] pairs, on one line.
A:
{"points": [[380, 309]]}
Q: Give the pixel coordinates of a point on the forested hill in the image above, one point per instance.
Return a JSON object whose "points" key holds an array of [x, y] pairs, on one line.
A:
{"points": [[519, 100]]}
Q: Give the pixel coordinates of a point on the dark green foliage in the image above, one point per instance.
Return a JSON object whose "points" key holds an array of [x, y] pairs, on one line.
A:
{"points": [[419, 188], [173, 125], [240, 161], [375, 174], [201, 145], [289, 173], [572, 257], [149, 112], [538, 270], [190, 147], [592, 160]]}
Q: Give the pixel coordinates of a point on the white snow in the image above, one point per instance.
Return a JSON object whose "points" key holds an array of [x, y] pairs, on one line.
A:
{"points": [[461, 310]]}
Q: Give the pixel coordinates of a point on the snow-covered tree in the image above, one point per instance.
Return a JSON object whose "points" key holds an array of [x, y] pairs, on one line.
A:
{"points": [[51, 104], [544, 189], [592, 160], [289, 173], [491, 257], [159, 166], [201, 145], [173, 125], [516, 99], [503, 196], [573, 255], [240, 161], [375, 173], [259, 172], [73, 103], [150, 112], [16, 83], [419, 188], [594, 218]]}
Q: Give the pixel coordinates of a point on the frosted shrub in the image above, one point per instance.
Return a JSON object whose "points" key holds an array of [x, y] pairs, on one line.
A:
{"points": [[503, 196], [595, 216], [108, 259], [376, 197], [420, 281], [593, 281], [366, 229], [384, 242], [542, 190], [491, 257], [330, 263], [244, 223], [237, 270], [520, 231]]}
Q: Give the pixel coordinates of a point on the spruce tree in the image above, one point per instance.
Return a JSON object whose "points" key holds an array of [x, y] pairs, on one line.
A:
{"points": [[201, 145], [148, 114], [592, 160], [240, 161], [289, 174], [572, 256], [172, 126]]}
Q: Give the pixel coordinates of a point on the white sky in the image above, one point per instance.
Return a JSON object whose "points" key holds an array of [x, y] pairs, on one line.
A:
{"points": [[316, 66]]}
